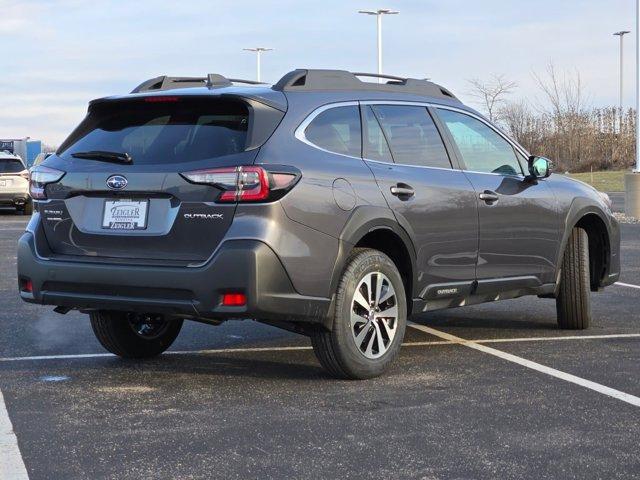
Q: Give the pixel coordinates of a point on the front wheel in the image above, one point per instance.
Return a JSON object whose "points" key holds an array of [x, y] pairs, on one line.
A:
{"points": [[369, 321], [573, 301], [134, 335]]}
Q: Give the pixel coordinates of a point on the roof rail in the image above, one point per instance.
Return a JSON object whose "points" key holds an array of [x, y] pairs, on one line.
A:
{"points": [[310, 80], [212, 80]]}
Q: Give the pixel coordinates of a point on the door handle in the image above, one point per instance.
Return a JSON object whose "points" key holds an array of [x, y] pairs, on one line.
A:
{"points": [[402, 190], [489, 196]]}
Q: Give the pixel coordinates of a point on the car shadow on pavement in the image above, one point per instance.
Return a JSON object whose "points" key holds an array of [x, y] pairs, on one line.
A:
{"points": [[483, 319], [294, 366]]}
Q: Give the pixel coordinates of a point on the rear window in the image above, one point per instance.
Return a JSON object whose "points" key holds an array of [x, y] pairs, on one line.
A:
{"points": [[337, 130], [10, 165], [178, 131]]}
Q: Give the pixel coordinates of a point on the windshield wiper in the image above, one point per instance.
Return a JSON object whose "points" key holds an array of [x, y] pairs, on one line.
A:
{"points": [[105, 156]]}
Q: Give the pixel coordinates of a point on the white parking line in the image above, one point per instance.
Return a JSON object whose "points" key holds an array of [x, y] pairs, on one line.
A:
{"points": [[553, 339], [11, 463], [304, 347], [627, 285], [625, 397], [188, 352]]}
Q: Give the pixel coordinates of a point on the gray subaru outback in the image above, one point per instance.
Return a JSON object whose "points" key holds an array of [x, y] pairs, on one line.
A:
{"points": [[324, 204]]}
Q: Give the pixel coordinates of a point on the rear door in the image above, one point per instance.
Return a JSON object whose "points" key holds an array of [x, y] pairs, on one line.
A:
{"points": [[146, 210], [431, 199], [518, 218]]}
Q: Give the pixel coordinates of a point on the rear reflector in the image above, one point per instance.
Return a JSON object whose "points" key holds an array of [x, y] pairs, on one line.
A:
{"points": [[234, 299], [26, 286]]}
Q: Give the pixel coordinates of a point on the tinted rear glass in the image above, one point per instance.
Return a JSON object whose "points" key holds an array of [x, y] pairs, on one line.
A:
{"points": [[163, 132], [337, 130], [9, 165]]}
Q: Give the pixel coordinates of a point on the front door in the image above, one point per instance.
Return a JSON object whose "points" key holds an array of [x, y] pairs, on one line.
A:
{"points": [[433, 201], [518, 217]]}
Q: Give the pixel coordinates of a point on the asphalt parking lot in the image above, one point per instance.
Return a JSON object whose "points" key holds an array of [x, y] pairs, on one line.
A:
{"points": [[489, 391]]}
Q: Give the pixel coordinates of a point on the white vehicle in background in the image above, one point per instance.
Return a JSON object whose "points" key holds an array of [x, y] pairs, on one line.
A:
{"points": [[14, 183]]}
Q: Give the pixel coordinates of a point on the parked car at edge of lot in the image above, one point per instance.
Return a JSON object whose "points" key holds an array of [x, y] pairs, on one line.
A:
{"points": [[324, 204], [14, 183], [42, 156]]}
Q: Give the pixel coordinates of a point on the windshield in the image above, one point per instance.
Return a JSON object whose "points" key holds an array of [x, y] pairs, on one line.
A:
{"points": [[170, 131], [10, 165]]}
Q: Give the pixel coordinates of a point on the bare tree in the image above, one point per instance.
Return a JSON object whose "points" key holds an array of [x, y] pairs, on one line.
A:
{"points": [[491, 93], [566, 108]]}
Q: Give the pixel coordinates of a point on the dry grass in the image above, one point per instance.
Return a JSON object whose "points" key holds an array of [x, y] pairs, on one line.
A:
{"points": [[609, 181]]}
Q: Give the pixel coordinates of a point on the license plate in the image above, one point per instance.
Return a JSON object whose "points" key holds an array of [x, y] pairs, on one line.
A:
{"points": [[125, 214]]}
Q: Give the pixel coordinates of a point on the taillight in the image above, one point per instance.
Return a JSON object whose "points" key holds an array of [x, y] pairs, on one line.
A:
{"points": [[40, 177], [24, 174], [246, 183]]}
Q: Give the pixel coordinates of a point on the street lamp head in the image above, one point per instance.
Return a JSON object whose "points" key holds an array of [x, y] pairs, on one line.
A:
{"points": [[622, 32], [258, 49], [381, 11]]}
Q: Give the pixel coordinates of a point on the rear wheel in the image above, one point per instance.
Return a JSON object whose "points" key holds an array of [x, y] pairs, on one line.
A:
{"points": [[134, 335], [369, 321], [573, 301]]}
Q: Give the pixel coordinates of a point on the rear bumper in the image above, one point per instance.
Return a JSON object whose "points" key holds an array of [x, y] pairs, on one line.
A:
{"points": [[13, 198], [246, 266]]}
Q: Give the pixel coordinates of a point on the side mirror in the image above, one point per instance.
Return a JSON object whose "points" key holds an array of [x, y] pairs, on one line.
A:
{"points": [[539, 167]]}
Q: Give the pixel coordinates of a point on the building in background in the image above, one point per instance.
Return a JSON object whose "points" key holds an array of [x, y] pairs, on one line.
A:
{"points": [[25, 148]]}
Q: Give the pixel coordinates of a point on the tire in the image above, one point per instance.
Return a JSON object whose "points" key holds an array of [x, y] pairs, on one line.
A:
{"points": [[573, 301], [120, 333], [28, 208], [339, 350]]}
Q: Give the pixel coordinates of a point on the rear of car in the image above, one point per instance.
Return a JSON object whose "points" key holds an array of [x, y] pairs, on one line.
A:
{"points": [[134, 210], [14, 183]]}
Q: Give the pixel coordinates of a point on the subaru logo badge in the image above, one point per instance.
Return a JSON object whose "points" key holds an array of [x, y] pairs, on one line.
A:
{"points": [[116, 182]]}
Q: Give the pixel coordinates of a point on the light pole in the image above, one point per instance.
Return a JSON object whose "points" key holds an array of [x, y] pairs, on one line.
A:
{"points": [[632, 180], [621, 34], [638, 90], [379, 13], [258, 51]]}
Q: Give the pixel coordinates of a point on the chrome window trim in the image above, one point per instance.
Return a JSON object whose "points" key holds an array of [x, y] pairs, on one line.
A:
{"points": [[299, 132], [451, 169]]}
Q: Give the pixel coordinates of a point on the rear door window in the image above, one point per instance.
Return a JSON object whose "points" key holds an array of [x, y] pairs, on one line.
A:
{"points": [[412, 135], [482, 148], [10, 165], [183, 130], [337, 130]]}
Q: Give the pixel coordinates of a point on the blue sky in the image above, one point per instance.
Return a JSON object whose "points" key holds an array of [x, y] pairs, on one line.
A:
{"points": [[59, 54]]}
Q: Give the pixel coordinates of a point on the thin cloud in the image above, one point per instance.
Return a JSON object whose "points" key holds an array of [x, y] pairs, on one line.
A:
{"points": [[63, 53]]}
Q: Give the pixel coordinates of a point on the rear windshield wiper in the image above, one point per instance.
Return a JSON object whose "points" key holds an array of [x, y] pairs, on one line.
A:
{"points": [[105, 156]]}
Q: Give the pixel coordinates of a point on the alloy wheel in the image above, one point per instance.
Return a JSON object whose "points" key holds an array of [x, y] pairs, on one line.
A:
{"points": [[374, 315]]}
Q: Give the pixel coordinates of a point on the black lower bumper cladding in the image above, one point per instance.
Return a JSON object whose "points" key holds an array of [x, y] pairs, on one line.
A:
{"points": [[247, 266]]}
